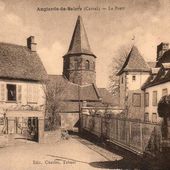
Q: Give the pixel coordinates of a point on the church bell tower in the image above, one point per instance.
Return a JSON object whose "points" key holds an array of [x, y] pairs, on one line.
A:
{"points": [[79, 61]]}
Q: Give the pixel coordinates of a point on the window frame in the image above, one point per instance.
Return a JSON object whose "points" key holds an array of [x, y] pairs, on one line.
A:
{"points": [[133, 77], [146, 99], [87, 65], [133, 102], [15, 92], [146, 120], [154, 101], [75, 64], [163, 90], [153, 117]]}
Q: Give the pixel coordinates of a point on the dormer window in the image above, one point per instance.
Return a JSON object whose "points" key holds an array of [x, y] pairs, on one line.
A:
{"points": [[87, 66], [11, 92]]}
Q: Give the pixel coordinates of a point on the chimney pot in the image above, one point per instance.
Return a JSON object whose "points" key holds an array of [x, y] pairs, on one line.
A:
{"points": [[31, 43]]}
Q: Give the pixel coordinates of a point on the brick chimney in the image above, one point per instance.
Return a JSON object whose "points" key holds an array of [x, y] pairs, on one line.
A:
{"points": [[161, 49], [31, 43]]}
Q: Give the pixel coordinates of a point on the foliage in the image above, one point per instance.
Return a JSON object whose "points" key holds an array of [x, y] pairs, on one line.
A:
{"points": [[117, 63], [164, 106], [54, 92]]}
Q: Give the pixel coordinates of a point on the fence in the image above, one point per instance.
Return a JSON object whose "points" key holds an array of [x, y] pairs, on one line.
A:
{"points": [[134, 135]]}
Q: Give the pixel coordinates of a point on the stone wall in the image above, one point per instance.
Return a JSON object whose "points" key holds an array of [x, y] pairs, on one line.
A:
{"points": [[79, 74]]}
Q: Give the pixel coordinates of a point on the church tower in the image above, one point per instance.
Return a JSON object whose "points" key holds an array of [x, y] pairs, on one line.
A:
{"points": [[79, 61]]}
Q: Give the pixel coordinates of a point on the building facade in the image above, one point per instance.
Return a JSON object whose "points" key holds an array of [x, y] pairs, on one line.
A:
{"points": [[158, 84], [132, 75], [22, 98], [79, 79]]}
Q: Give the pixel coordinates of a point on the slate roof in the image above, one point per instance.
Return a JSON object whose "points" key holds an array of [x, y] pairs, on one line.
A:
{"points": [[18, 62], [73, 93], [162, 76], [79, 42], [164, 59], [134, 62]]}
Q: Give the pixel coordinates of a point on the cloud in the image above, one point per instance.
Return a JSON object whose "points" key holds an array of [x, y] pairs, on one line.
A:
{"points": [[2, 6], [52, 58], [13, 19]]}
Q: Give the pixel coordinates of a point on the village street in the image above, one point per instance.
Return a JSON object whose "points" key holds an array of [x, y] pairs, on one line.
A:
{"points": [[74, 153]]}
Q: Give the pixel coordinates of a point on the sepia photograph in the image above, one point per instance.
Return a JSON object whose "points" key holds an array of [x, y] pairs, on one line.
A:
{"points": [[85, 85]]}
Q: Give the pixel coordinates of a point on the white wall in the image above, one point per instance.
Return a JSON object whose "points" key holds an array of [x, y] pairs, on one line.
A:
{"points": [[36, 92], [141, 78], [153, 109]]}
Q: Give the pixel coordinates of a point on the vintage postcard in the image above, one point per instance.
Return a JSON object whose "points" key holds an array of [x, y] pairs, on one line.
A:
{"points": [[84, 84]]}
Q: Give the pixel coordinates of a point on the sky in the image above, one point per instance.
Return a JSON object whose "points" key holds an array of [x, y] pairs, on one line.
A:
{"points": [[107, 30]]}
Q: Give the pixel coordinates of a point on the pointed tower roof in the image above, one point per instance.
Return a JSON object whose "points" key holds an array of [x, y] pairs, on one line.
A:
{"points": [[134, 62], [79, 42]]}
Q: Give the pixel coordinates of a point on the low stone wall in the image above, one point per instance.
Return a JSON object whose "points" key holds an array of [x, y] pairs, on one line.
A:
{"points": [[52, 136]]}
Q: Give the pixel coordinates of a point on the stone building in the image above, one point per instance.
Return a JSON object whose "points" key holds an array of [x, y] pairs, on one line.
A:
{"points": [[79, 78], [158, 83], [22, 97], [132, 76]]}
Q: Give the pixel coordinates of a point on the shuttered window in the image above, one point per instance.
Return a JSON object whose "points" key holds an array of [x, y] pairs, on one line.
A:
{"points": [[2, 92], [154, 98], [146, 117], [19, 93], [32, 93], [164, 92], [146, 99], [154, 117], [136, 99]]}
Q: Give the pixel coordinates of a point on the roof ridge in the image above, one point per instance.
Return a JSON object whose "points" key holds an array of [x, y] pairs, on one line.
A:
{"points": [[12, 44]]}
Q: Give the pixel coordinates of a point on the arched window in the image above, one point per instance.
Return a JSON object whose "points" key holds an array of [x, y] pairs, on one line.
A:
{"points": [[76, 64], [93, 65], [87, 66]]}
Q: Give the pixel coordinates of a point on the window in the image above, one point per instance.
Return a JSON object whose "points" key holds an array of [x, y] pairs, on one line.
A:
{"points": [[93, 65], [154, 98], [146, 99], [154, 117], [11, 92], [133, 78], [136, 99], [76, 64], [146, 117], [32, 91], [164, 92], [122, 80], [87, 66]]}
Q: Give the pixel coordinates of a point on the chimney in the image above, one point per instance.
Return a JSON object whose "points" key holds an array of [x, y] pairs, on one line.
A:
{"points": [[31, 43], [161, 49]]}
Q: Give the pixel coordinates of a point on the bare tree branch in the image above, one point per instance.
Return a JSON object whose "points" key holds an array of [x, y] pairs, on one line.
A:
{"points": [[117, 63]]}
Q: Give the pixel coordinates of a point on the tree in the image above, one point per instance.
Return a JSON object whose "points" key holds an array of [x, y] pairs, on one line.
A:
{"points": [[117, 63], [54, 93]]}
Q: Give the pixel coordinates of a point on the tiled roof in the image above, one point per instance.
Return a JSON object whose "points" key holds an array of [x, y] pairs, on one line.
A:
{"points": [[151, 64], [73, 94], [74, 91], [79, 42], [18, 62], [134, 62]]}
